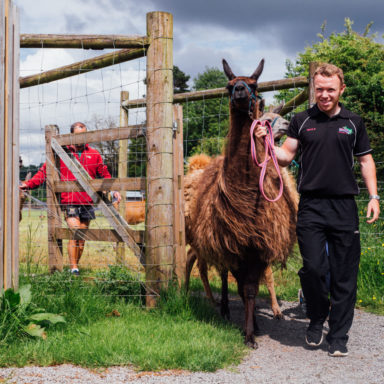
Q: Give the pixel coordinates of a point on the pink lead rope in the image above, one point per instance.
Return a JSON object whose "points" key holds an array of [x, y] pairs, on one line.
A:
{"points": [[269, 154]]}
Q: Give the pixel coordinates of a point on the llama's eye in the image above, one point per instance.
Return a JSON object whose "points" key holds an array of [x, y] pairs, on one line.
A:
{"points": [[230, 88]]}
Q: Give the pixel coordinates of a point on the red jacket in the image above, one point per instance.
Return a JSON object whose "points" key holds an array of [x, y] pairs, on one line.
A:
{"points": [[91, 161]]}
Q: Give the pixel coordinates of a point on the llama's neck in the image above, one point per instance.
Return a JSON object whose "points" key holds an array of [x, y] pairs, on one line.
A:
{"points": [[238, 162]]}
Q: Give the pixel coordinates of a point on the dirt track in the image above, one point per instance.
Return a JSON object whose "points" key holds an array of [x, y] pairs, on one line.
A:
{"points": [[282, 357]]}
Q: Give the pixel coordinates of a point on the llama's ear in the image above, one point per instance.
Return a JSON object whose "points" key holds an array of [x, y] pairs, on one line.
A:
{"points": [[278, 108], [228, 71], [255, 75]]}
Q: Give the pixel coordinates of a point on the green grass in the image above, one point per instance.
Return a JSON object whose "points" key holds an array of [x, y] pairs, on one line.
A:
{"points": [[182, 333], [370, 292]]}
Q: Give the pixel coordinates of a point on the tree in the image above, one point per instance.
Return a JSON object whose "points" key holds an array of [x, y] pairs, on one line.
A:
{"points": [[362, 60], [180, 80], [206, 122]]}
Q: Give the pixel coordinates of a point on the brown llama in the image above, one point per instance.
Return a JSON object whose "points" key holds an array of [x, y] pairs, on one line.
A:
{"points": [[199, 162], [229, 224], [134, 211]]}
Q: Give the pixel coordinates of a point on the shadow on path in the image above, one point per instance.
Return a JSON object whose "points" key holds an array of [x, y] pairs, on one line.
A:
{"points": [[289, 331]]}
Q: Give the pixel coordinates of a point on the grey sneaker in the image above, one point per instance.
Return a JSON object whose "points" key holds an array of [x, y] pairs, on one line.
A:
{"points": [[314, 335], [337, 348]]}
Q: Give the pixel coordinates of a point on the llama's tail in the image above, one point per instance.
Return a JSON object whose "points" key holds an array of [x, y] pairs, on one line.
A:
{"points": [[198, 162]]}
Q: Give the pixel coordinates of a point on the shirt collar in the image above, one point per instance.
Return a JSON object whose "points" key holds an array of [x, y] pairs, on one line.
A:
{"points": [[344, 113], [72, 148]]}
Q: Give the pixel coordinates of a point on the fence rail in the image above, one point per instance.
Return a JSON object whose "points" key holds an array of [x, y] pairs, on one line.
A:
{"points": [[82, 41]]}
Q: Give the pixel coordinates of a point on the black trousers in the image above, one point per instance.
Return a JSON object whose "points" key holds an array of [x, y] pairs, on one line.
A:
{"points": [[333, 220]]}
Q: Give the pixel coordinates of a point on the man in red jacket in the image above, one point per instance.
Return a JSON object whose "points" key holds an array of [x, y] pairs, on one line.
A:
{"points": [[77, 206]]}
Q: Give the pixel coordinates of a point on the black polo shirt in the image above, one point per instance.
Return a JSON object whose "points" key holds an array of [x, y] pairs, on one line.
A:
{"points": [[327, 146]]}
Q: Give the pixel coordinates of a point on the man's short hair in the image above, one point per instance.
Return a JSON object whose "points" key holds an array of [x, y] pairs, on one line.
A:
{"points": [[77, 124], [328, 70]]}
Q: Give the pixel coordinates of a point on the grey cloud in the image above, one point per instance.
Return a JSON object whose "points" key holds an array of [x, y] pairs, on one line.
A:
{"points": [[294, 23], [73, 23]]}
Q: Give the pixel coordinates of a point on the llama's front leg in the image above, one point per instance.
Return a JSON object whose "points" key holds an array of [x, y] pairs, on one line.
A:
{"points": [[269, 281], [250, 292], [224, 308]]}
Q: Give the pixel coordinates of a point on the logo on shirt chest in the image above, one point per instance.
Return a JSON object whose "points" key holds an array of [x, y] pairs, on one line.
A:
{"points": [[310, 129], [345, 130]]}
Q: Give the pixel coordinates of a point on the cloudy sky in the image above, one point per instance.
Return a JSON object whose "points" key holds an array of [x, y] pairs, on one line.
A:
{"points": [[205, 31]]}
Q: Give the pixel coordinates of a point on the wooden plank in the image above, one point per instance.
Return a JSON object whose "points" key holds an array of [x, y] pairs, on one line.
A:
{"points": [[311, 95], [55, 254], [127, 184], [119, 224], [122, 172], [15, 150], [110, 134], [8, 104], [2, 134], [95, 235], [292, 104], [178, 189], [274, 85], [82, 67], [159, 233], [82, 41]]}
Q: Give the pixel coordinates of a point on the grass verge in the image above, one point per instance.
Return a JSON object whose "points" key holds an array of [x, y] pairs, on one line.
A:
{"points": [[102, 330]]}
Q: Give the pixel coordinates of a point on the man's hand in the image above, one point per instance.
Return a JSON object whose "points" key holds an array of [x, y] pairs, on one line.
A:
{"points": [[373, 209], [23, 186], [260, 131], [116, 197]]}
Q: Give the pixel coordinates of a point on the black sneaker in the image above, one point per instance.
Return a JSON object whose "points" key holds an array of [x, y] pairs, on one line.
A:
{"points": [[337, 348], [75, 272], [314, 335]]}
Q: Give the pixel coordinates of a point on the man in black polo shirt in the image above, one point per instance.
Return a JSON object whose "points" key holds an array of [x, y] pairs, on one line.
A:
{"points": [[328, 137]]}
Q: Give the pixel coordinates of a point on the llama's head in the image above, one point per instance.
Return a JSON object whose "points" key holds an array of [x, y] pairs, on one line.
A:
{"points": [[279, 124], [243, 90]]}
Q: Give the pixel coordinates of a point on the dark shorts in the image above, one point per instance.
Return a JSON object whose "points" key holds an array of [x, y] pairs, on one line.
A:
{"points": [[83, 212]]}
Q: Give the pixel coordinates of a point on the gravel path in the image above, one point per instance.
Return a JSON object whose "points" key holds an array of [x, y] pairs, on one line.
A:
{"points": [[282, 357]]}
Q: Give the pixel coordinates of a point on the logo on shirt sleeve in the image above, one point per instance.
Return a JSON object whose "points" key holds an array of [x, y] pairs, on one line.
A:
{"points": [[345, 130]]}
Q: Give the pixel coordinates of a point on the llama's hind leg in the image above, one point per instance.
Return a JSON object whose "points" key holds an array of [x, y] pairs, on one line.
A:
{"points": [[191, 258], [203, 270], [270, 283]]}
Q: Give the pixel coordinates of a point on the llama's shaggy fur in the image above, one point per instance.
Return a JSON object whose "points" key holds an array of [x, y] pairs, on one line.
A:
{"points": [[228, 223]]}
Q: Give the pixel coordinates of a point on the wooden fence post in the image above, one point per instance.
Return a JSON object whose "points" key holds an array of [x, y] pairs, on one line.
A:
{"points": [[311, 94], [55, 246], [15, 148], [9, 145], [178, 190], [122, 171], [160, 216], [2, 132]]}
